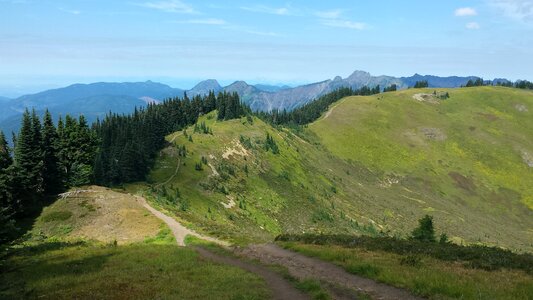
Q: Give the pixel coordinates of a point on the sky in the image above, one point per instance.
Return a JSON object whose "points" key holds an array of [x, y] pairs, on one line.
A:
{"points": [[47, 44]]}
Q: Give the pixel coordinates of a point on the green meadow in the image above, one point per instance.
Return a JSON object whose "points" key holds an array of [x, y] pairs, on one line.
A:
{"points": [[371, 165]]}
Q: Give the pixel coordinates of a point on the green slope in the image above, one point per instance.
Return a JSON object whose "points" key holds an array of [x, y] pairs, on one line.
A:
{"points": [[464, 159], [371, 164]]}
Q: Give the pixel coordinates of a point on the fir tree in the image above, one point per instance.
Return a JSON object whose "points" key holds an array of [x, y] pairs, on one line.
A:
{"points": [[53, 179], [28, 163]]}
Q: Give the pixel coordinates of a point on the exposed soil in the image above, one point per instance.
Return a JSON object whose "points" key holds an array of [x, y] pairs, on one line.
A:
{"points": [[433, 134], [463, 182], [281, 288], [429, 98], [105, 215], [521, 108], [528, 159], [237, 150], [303, 267]]}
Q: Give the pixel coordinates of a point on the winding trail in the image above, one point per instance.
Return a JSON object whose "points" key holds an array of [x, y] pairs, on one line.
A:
{"points": [[281, 289], [328, 113], [179, 231], [172, 176], [303, 267]]}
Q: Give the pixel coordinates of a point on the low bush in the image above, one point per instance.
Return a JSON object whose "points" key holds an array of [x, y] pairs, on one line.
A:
{"points": [[475, 256]]}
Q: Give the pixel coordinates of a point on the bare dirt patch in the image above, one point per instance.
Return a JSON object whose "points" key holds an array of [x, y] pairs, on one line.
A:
{"points": [[528, 158], [463, 182], [231, 202], [429, 98], [521, 108], [238, 149], [100, 214], [433, 134], [213, 169]]}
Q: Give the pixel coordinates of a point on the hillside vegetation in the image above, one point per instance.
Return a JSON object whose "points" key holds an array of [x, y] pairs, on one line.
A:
{"points": [[372, 164]]}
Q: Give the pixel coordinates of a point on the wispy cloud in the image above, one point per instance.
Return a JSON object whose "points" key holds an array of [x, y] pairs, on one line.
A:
{"points": [[329, 14], [465, 12], [345, 24], [208, 21], [281, 11], [334, 18], [521, 10], [171, 6], [70, 11], [472, 26]]}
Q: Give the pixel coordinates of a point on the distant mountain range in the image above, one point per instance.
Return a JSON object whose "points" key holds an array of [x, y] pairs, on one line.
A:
{"points": [[97, 99]]}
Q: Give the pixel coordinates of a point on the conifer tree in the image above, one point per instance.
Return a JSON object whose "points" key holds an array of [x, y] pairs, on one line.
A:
{"points": [[28, 163], [5, 153], [53, 179]]}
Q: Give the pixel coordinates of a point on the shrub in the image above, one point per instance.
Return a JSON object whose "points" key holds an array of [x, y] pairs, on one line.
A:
{"points": [[425, 231], [482, 257]]}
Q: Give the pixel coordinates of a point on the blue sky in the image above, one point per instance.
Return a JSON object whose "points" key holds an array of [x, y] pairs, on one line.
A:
{"points": [[46, 44]]}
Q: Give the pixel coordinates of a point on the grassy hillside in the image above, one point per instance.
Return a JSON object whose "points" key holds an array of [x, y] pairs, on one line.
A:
{"points": [[466, 159], [371, 164], [98, 214]]}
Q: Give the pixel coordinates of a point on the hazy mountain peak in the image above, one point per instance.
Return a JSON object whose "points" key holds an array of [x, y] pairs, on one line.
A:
{"points": [[205, 87], [359, 74]]}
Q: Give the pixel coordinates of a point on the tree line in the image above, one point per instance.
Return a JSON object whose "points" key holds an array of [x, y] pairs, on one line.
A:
{"points": [[129, 143], [44, 160], [47, 159], [313, 110]]}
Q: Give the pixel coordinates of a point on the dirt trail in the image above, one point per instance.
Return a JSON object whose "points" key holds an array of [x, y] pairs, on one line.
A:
{"points": [[281, 288], [175, 136], [179, 231], [172, 176], [328, 113], [303, 267]]}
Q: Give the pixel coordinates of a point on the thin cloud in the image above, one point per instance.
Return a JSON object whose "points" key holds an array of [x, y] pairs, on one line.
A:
{"points": [[209, 21], [171, 6], [334, 18], [70, 11], [521, 10], [472, 26], [465, 12], [281, 11], [345, 24], [329, 14]]}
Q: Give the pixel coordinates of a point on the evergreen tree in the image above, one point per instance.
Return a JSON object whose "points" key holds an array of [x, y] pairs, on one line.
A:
{"points": [[425, 231], [53, 179], [5, 153], [6, 198], [28, 163]]}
